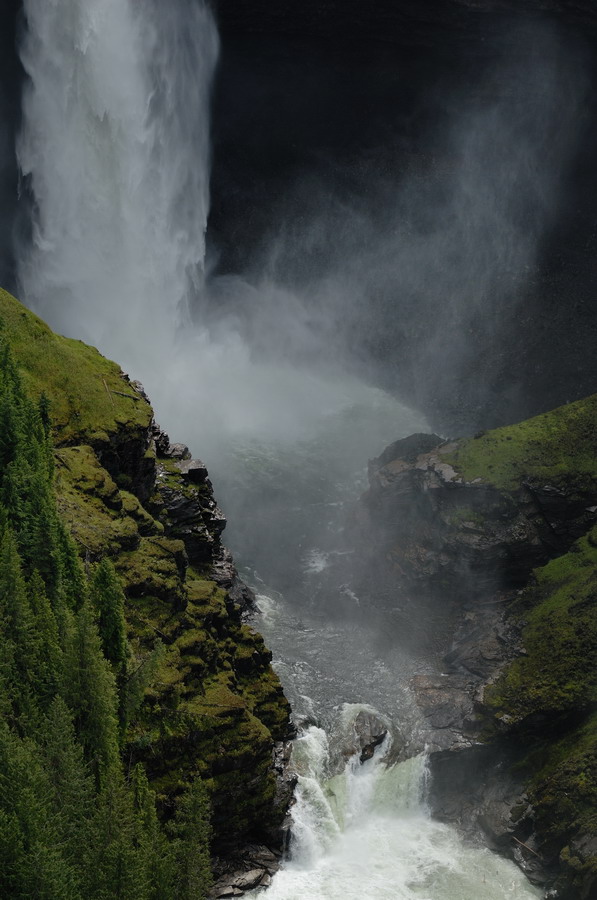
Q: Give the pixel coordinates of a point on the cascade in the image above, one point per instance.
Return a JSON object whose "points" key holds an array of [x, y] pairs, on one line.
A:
{"points": [[365, 832]]}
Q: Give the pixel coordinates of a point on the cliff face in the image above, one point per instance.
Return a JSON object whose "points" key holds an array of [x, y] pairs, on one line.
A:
{"points": [[207, 701], [501, 528]]}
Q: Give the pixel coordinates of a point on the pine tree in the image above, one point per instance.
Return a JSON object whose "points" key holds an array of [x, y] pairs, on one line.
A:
{"points": [[72, 788], [108, 599], [16, 629], [89, 691], [192, 832], [157, 853], [114, 862], [31, 864], [46, 663]]}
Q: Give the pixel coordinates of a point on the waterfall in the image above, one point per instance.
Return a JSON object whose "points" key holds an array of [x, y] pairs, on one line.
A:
{"points": [[115, 152], [115, 158]]}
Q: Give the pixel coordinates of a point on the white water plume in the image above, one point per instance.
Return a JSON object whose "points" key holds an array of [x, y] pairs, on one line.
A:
{"points": [[366, 833], [115, 145], [115, 154]]}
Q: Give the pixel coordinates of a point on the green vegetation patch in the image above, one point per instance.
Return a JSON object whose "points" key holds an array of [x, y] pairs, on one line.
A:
{"points": [[558, 447], [90, 397], [558, 674], [91, 505], [155, 569], [563, 791]]}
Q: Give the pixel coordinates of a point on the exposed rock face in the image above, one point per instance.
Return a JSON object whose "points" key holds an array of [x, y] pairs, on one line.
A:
{"points": [[510, 720], [212, 704], [441, 528]]}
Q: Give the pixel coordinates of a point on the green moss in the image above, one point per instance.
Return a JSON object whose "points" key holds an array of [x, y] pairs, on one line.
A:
{"points": [[558, 673], [89, 395], [558, 447], [563, 791], [213, 704], [91, 504], [462, 516], [154, 569], [146, 524]]}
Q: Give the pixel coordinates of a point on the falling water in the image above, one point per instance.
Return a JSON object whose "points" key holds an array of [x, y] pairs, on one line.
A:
{"points": [[115, 151], [365, 832]]}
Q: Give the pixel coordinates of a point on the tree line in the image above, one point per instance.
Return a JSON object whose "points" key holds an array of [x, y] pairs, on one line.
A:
{"points": [[73, 823]]}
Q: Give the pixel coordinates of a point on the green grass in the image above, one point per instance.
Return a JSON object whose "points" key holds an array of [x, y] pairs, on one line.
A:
{"points": [[558, 447], [85, 389]]}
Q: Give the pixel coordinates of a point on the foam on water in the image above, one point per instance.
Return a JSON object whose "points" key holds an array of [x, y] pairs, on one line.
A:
{"points": [[366, 833]]}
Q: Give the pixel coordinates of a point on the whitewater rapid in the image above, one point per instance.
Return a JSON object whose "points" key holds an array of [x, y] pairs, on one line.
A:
{"points": [[366, 833]]}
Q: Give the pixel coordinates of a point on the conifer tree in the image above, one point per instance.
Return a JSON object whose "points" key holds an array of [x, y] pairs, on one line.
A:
{"points": [[46, 663], [89, 691], [108, 599], [192, 832], [157, 853], [114, 863], [16, 629], [72, 788], [31, 864]]}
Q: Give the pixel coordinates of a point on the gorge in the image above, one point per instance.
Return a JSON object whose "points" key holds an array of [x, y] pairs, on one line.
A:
{"points": [[310, 234]]}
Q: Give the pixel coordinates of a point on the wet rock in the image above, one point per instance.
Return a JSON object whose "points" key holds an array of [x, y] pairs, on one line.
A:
{"points": [[253, 868], [193, 470], [365, 733], [226, 576], [447, 707], [179, 451], [370, 731], [431, 525]]}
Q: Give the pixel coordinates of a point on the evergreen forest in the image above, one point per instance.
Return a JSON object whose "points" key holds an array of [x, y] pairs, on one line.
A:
{"points": [[75, 820]]}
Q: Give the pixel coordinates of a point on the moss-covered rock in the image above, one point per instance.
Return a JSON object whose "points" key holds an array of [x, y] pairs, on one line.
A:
{"points": [[91, 399], [545, 701], [208, 701], [556, 677]]}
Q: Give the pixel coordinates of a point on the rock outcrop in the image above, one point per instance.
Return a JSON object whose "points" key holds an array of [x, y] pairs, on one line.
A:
{"points": [[502, 528], [204, 698]]}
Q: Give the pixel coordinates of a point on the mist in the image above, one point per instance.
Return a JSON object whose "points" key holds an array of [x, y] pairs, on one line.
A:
{"points": [[409, 269], [369, 276]]}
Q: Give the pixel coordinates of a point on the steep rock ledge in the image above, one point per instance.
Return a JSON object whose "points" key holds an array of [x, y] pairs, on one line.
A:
{"points": [[501, 528], [204, 697]]}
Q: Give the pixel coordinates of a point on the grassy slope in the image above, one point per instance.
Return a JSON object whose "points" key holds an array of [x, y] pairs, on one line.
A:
{"points": [[85, 389], [559, 447], [558, 674], [548, 696]]}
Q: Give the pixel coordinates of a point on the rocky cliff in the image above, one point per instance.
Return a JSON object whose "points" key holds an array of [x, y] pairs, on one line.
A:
{"points": [[501, 530], [205, 699]]}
